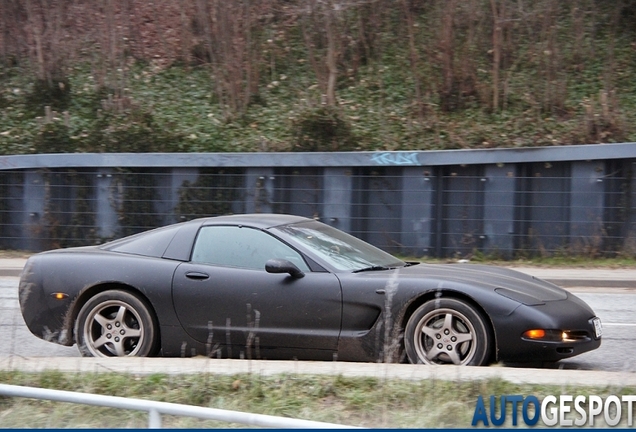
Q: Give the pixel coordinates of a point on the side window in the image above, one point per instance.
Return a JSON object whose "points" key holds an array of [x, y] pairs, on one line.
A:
{"points": [[241, 247]]}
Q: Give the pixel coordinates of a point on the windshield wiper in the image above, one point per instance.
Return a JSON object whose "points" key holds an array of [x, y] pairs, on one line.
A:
{"points": [[372, 268]]}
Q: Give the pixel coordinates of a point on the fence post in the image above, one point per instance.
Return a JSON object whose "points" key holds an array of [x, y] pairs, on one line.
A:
{"points": [[417, 211], [107, 198], [337, 197], [34, 204], [499, 209], [154, 419], [587, 207]]}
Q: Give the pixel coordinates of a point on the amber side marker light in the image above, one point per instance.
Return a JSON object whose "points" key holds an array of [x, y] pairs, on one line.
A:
{"points": [[59, 295], [534, 334]]}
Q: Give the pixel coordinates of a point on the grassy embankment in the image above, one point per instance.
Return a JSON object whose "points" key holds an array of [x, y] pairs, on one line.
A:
{"points": [[367, 402], [566, 76]]}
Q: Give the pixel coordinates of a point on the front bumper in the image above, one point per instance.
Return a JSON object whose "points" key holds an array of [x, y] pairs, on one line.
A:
{"points": [[574, 319], [43, 315]]}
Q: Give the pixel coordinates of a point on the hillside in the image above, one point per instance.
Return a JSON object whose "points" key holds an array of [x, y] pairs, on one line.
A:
{"points": [[307, 75]]}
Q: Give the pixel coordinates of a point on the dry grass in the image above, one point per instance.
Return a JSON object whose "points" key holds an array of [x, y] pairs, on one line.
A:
{"points": [[367, 402]]}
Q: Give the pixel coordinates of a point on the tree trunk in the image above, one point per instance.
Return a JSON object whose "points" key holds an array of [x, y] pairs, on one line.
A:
{"points": [[413, 58], [332, 54], [496, 54]]}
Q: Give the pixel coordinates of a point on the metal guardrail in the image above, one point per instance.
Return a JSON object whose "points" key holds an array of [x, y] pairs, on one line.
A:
{"points": [[508, 203], [156, 409]]}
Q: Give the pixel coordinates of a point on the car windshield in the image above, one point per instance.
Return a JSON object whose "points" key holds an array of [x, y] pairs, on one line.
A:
{"points": [[339, 249]]}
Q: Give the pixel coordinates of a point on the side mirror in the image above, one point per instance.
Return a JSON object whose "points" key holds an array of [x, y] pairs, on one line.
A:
{"points": [[278, 265]]}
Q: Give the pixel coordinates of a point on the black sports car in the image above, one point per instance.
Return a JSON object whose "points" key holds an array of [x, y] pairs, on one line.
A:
{"points": [[287, 287]]}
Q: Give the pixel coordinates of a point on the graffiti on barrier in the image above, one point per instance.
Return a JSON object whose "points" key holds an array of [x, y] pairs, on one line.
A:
{"points": [[395, 158]]}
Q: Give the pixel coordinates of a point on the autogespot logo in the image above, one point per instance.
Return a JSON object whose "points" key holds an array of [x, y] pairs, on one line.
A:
{"points": [[563, 410]]}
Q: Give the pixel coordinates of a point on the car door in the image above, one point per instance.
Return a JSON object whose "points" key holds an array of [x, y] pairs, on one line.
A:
{"points": [[224, 296]]}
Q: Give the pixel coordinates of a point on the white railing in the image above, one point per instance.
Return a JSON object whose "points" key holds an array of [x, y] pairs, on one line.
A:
{"points": [[155, 409]]}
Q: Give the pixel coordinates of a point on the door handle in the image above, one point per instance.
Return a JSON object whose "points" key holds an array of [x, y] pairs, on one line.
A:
{"points": [[197, 275]]}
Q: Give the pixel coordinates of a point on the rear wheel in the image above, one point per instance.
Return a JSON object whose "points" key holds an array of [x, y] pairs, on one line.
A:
{"points": [[115, 323], [447, 331]]}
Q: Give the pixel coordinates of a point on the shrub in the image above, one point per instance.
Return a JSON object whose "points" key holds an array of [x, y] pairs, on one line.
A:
{"points": [[322, 129]]}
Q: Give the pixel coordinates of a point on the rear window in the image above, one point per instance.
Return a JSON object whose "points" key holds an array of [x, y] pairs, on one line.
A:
{"points": [[150, 243]]}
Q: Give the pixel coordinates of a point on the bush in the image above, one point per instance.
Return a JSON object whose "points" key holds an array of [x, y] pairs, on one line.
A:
{"points": [[53, 137], [322, 129], [55, 94], [133, 130]]}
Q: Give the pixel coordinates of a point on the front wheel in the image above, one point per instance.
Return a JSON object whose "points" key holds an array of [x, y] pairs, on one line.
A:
{"points": [[115, 324], [447, 331]]}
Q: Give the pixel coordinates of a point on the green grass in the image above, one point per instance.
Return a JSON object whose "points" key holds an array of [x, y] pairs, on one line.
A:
{"points": [[181, 112], [367, 402]]}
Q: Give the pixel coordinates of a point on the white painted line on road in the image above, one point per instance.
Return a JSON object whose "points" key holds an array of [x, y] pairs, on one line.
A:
{"points": [[606, 324]]}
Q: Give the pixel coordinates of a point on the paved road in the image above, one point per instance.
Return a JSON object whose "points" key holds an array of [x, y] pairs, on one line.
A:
{"points": [[614, 306]]}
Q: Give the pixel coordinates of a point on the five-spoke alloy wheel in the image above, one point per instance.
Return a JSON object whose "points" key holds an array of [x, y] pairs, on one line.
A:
{"points": [[447, 331], [115, 323]]}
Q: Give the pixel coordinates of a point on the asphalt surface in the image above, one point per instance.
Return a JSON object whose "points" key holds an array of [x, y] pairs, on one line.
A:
{"points": [[584, 279]]}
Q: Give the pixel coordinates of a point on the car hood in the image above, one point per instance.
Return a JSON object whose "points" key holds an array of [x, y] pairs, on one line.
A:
{"points": [[510, 283]]}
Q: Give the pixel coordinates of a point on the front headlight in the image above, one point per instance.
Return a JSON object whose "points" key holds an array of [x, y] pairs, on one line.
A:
{"points": [[554, 335], [543, 334]]}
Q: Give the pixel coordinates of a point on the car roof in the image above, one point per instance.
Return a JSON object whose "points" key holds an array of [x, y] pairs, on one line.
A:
{"points": [[158, 242], [256, 220]]}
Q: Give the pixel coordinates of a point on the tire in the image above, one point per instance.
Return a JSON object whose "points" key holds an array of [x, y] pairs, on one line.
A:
{"points": [[115, 324], [447, 331]]}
